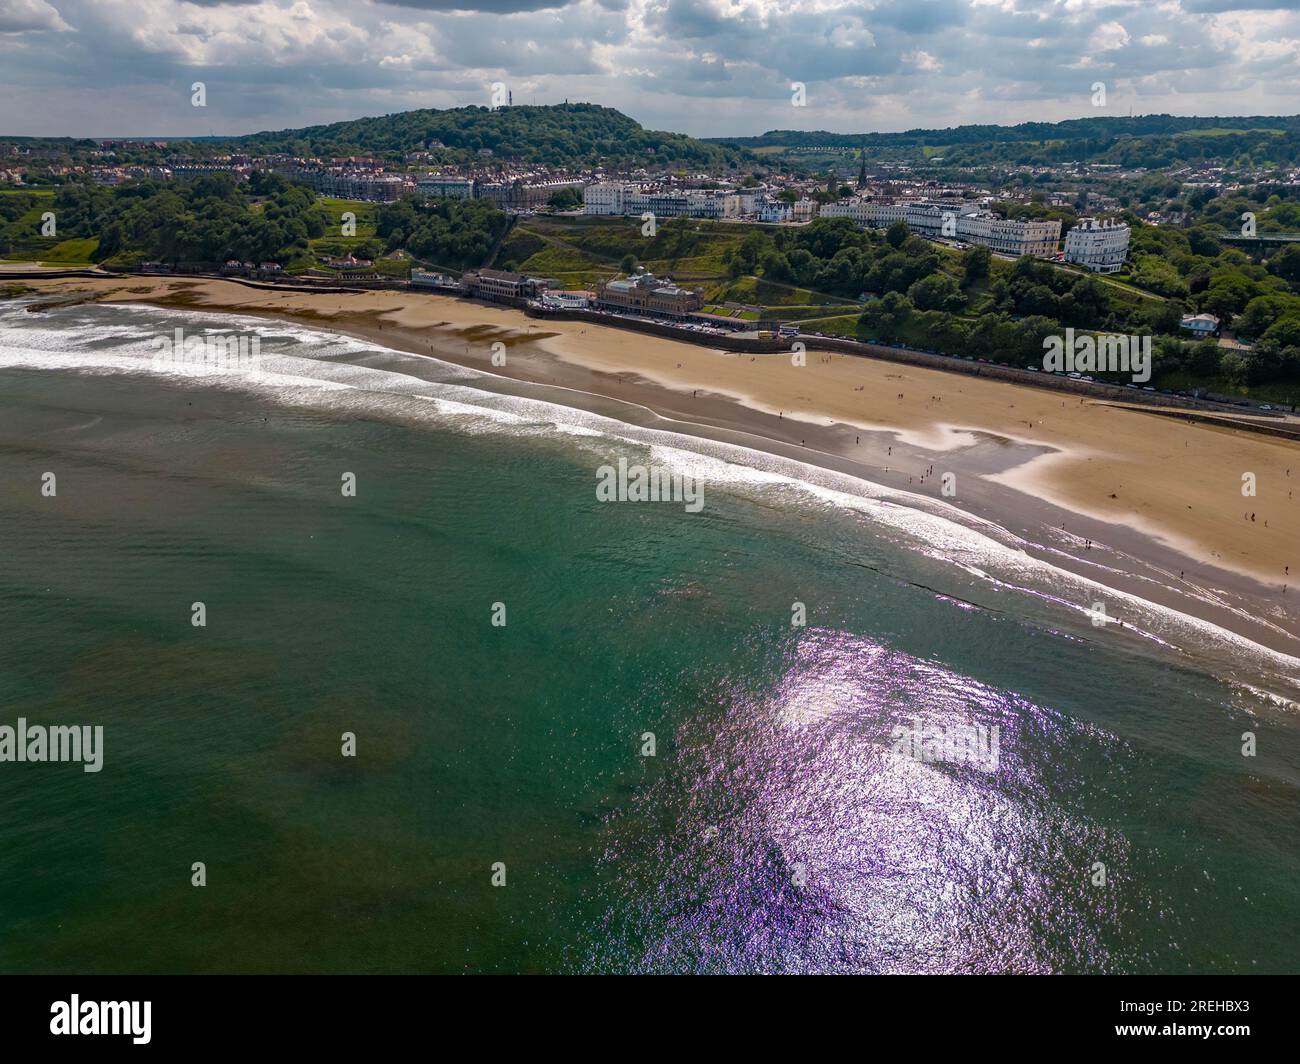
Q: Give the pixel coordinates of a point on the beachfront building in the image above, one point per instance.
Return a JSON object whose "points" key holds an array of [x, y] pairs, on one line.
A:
{"points": [[264, 271], [432, 279], [575, 299], [501, 286], [1099, 246], [643, 293]]}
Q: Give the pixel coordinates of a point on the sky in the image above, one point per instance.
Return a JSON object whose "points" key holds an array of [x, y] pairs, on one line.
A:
{"points": [[706, 67]]}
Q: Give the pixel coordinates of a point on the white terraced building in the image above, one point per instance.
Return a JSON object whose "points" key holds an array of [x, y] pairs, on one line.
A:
{"points": [[865, 212], [1100, 246], [607, 197], [1007, 237], [924, 219], [959, 222]]}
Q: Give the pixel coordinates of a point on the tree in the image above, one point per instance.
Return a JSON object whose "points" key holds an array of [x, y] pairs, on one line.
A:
{"points": [[803, 266], [1228, 294], [1286, 264], [975, 264], [1235, 366], [896, 235], [1283, 333], [938, 291], [564, 199], [1203, 242], [1203, 358], [884, 318], [1156, 275], [776, 267], [744, 259], [1263, 311]]}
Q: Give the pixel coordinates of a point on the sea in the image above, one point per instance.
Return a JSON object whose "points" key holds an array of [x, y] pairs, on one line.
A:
{"points": [[385, 686]]}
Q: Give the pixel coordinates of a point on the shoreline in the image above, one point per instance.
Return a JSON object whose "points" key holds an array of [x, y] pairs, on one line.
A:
{"points": [[1041, 483]]}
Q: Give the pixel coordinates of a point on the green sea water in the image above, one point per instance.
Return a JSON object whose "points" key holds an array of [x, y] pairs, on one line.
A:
{"points": [[775, 828]]}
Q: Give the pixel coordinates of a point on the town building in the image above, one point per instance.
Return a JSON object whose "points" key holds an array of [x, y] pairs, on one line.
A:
{"points": [[1201, 325], [613, 198], [343, 183], [604, 197], [501, 286], [445, 185], [1037, 237], [774, 210], [643, 293], [864, 212], [520, 194], [432, 279], [955, 221], [567, 300], [1099, 246]]}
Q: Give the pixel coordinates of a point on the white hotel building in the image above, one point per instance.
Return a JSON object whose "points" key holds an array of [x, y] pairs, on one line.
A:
{"points": [[1100, 246]]}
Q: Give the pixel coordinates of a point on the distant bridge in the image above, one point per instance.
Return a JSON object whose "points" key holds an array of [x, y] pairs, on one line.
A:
{"points": [[1232, 237]]}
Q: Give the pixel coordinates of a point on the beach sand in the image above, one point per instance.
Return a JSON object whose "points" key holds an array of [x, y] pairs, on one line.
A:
{"points": [[1151, 494]]}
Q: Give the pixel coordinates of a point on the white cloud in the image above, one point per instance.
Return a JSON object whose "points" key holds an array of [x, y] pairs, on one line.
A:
{"points": [[1108, 36], [23, 16], [120, 67], [923, 60]]}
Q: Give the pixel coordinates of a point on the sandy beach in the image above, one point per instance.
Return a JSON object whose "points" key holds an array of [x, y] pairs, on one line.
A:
{"points": [[1124, 492]]}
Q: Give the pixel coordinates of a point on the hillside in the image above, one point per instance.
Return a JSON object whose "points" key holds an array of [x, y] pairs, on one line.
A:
{"points": [[1145, 140], [562, 135]]}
